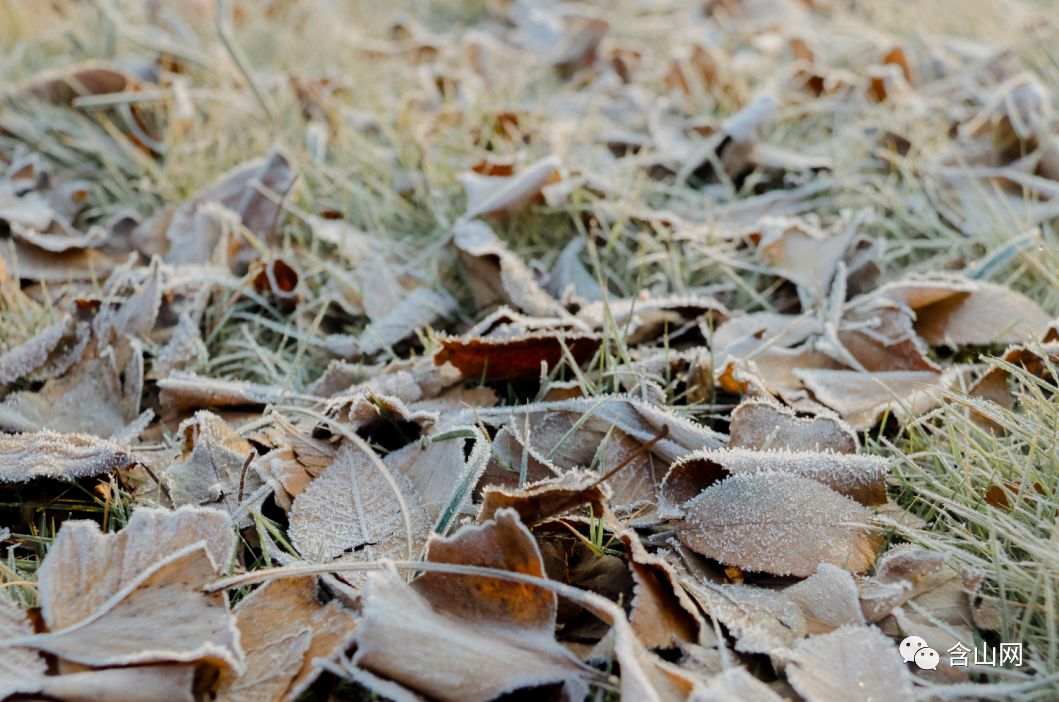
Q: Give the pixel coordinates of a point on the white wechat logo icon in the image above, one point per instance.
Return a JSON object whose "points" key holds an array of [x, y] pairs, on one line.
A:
{"points": [[914, 649]]}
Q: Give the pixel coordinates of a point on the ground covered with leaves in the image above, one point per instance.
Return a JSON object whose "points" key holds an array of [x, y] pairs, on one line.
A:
{"points": [[644, 350]]}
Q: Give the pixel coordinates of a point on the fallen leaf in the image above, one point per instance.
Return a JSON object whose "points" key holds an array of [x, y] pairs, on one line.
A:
{"points": [[492, 194], [734, 684], [497, 275], [49, 454], [137, 596], [513, 358], [779, 523], [352, 512], [845, 663], [759, 424], [862, 478], [283, 629], [497, 636], [214, 468]]}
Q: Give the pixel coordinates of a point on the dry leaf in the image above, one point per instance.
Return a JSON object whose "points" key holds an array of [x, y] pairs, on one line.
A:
{"points": [[283, 628], [351, 512], [734, 684], [491, 194], [759, 424], [861, 399], [214, 469], [92, 398], [442, 473], [828, 599], [497, 275], [779, 523], [847, 664], [862, 478], [550, 497], [137, 596], [513, 358], [48, 454], [466, 638], [662, 614]]}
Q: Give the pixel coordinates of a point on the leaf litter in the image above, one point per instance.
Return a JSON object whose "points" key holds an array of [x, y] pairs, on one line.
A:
{"points": [[580, 370]]}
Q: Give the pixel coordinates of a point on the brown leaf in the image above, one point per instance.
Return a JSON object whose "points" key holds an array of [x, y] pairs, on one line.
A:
{"points": [[484, 358], [213, 468], [283, 628], [861, 399], [662, 614], [440, 470], [779, 523], [183, 238], [550, 497], [845, 663], [49, 454], [862, 478], [489, 194], [351, 512], [466, 638], [957, 312], [137, 596], [497, 275], [759, 424], [65, 84]]}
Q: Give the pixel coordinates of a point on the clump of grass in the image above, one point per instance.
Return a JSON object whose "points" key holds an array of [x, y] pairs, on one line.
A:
{"points": [[990, 500]]}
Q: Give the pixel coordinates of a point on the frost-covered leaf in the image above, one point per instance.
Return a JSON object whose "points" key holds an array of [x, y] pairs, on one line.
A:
{"points": [[487, 194], [497, 275], [520, 357], [761, 620], [282, 628], [214, 468], [459, 637], [49, 454], [662, 614], [351, 512], [851, 663], [137, 596], [734, 684], [862, 478], [759, 424], [34, 352], [550, 497], [417, 310], [779, 523], [92, 398], [20, 668], [957, 312], [863, 398], [442, 472], [828, 599]]}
